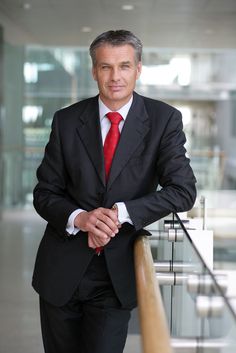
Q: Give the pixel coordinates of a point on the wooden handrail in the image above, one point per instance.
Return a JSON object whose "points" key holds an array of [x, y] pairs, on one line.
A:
{"points": [[153, 323]]}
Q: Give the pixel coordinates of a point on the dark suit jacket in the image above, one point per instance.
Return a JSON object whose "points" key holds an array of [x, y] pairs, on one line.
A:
{"points": [[71, 176]]}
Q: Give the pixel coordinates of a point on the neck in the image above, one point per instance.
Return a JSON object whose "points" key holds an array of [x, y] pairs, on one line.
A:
{"points": [[114, 106]]}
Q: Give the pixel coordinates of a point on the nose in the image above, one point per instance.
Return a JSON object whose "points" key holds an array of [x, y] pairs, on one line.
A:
{"points": [[115, 75]]}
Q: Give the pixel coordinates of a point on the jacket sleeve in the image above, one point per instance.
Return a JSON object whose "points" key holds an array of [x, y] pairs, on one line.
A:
{"points": [[176, 179], [51, 200]]}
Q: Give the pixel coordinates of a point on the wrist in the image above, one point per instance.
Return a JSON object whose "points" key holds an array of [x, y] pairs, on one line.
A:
{"points": [[115, 209], [78, 220], [122, 213]]}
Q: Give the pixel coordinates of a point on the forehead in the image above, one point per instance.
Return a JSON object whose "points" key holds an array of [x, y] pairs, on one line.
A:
{"points": [[109, 53]]}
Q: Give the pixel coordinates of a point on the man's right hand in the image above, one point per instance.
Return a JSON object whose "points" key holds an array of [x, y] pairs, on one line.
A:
{"points": [[102, 223]]}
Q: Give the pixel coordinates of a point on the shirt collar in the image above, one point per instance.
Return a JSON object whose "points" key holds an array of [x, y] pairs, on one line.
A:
{"points": [[103, 109]]}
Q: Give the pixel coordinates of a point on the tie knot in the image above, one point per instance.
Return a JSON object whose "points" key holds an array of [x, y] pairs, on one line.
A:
{"points": [[114, 117]]}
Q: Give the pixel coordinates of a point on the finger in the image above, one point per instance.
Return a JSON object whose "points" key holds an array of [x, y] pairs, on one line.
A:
{"points": [[90, 221], [111, 215], [101, 231], [94, 241], [107, 227], [108, 213], [91, 242], [112, 223]]}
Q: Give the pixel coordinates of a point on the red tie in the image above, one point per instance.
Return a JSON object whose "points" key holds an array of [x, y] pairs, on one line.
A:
{"points": [[110, 145], [111, 140]]}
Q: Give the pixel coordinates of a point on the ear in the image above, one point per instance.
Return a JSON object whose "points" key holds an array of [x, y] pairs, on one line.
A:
{"points": [[94, 73], [139, 70]]}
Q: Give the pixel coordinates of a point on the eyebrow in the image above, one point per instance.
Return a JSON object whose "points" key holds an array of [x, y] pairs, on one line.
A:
{"points": [[122, 62]]}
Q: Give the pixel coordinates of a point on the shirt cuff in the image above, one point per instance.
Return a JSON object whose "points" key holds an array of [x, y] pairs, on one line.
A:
{"points": [[123, 215], [70, 227]]}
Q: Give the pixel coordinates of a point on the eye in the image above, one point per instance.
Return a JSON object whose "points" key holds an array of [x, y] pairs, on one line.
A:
{"points": [[125, 66], [105, 67]]}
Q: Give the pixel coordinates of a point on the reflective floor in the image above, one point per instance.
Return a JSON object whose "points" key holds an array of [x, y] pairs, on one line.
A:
{"points": [[19, 329], [20, 234]]}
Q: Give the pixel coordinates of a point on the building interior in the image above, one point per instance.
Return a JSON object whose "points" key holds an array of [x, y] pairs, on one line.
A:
{"points": [[189, 58]]}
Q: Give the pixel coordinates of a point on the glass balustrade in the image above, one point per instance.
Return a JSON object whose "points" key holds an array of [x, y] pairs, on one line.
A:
{"points": [[200, 316]]}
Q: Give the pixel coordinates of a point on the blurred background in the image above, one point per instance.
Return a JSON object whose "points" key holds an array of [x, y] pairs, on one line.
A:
{"points": [[189, 61]]}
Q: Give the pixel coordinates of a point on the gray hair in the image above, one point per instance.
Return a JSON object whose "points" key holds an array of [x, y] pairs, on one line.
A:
{"points": [[116, 38]]}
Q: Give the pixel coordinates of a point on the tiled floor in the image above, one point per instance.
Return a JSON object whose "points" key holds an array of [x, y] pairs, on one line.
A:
{"points": [[20, 233]]}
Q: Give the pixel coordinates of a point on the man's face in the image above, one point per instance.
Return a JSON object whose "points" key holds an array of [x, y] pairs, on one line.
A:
{"points": [[116, 72]]}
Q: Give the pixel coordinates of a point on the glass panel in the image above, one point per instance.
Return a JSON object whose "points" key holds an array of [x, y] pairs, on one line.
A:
{"points": [[199, 314], [44, 79]]}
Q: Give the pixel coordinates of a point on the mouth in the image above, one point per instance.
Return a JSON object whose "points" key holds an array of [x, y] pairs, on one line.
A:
{"points": [[116, 88]]}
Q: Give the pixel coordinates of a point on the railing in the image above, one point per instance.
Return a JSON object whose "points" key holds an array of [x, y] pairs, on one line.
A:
{"points": [[197, 312], [154, 328]]}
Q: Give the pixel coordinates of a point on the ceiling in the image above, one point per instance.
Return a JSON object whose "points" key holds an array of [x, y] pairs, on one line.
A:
{"points": [[159, 23]]}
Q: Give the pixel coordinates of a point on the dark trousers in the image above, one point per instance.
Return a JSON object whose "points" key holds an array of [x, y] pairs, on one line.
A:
{"points": [[91, 322]]}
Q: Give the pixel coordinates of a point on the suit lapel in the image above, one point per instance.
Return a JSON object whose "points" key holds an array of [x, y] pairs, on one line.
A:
{"points": [[89, 131], [135, 129]]}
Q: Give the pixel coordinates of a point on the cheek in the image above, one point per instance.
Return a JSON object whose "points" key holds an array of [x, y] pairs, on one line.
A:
{"points": [[132, 81], [102, 79]]}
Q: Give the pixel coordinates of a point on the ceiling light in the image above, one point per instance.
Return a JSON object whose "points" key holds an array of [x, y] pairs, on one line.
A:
{"points": [[127, 7], [86, 29], [209, 31], [26, 6]]}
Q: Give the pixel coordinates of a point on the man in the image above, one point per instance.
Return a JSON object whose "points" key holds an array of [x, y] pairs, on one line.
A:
{"points": [[97, 203]]}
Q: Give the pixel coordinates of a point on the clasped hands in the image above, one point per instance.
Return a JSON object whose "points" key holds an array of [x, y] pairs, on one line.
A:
{"points": [[102, 224]]}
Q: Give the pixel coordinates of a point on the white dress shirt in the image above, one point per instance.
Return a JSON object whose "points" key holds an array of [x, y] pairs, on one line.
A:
{"points": [[123, 215]]}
